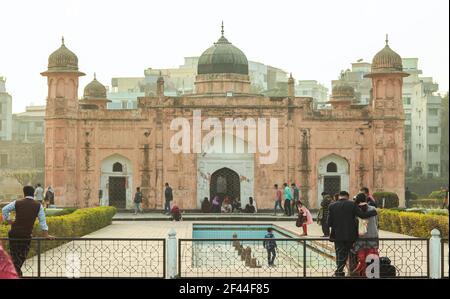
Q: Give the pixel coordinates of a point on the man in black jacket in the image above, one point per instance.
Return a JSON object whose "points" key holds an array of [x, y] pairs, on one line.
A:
{"points": [[344, 227]]}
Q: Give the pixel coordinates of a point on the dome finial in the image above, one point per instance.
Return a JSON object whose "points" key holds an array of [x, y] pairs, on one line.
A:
{"points": [[95, 76], [222, 29], [62, 40], [387, 40]]}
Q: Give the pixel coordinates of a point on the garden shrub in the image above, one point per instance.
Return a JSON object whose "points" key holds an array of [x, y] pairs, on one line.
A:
{"points": [[50, 212], [414, 196], [390, 199], [427, 203], [437, 194], [76, 224], [412, 223]]}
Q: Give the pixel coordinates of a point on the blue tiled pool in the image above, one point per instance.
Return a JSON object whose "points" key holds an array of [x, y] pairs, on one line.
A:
{"points": [[243, 231]]}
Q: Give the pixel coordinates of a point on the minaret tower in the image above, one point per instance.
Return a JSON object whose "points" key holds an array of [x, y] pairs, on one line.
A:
{"points": [[61, 125], [388, 122]]}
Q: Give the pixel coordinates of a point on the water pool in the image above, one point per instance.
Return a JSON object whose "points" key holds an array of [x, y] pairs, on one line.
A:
{"points": [[212, 251], [243, 231]]}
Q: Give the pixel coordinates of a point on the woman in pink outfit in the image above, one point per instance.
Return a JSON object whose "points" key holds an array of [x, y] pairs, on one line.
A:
{"points": [[306, 217], [7, 270]]}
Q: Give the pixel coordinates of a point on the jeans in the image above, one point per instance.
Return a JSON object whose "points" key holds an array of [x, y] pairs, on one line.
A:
{"points": [[287, 207], [342, 249], [137, 207], [19, 250], [167, 206], [277, 205], [271, 254]]}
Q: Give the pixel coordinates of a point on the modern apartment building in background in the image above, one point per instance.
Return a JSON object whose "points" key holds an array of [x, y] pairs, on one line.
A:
{"points": [[5, 112], [421, 105], [124, 91]]}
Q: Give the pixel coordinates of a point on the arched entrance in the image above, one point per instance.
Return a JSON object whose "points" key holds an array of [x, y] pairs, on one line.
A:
{"points": [[235, 167], [116, 182], [225, 182], [333, 175]]}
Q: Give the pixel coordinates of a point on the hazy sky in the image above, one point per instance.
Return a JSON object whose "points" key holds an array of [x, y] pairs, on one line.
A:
{"points": [[312, 39]]}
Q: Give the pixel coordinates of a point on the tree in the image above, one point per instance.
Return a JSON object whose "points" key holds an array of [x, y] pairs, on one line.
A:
{"points": [[24, 176]]}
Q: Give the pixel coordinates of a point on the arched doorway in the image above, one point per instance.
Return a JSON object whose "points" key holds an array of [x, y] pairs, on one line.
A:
{"points": [[116, 182], [220, 158], [333, 175], [225, 182]]}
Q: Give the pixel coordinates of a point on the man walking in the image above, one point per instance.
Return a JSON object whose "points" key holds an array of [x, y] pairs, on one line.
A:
{"points": [[168, 198], [344, 227], [277, 199], [39, 194], [296, 195], [287, 199], [138, 201], [27, 210]]}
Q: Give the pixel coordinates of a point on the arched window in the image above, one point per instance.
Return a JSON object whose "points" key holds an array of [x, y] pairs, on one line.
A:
{"points": [[331, 167], [117, 167]]}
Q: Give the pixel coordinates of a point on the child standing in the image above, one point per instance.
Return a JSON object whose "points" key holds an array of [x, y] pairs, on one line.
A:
{"points": [[306, 218], [271, 246]]}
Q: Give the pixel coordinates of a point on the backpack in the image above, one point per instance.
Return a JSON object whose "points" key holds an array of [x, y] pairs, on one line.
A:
{"points": [[386, 269]]}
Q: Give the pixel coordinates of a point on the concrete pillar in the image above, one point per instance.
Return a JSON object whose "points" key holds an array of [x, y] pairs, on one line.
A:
{"points": [[435, 254], [172, 254]]}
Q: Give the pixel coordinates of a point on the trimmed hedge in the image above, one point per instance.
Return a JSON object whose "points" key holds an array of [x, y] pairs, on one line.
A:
{"points": [[437, 194], [77, 224], [414, 196], [51, 212], [390, 199], [442, 212], [430, 203], [412, 224]]}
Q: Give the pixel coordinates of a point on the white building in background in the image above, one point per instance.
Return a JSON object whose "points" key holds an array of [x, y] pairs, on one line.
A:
{"points": [[355, 78], [313, 89], [124, 91], [421, 105], [29, 126], [5, 112]]}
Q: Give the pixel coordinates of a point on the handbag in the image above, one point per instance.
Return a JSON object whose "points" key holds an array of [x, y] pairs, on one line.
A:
{"points": [[300, 220]]}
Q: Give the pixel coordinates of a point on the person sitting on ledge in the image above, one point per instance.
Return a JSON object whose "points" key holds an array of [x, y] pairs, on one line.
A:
{"points": [[250, 208], [206, 205], [175, 213], [226, 205], [237, 205]]}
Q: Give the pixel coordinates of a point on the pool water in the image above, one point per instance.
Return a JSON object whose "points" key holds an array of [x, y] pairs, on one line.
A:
{"points": [[212, 247], [243, 231]]}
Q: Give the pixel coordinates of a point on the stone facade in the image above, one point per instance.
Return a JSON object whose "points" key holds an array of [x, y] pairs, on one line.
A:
{"points": [[92, 152]]}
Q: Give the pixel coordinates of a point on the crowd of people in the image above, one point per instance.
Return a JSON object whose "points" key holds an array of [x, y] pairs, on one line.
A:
{"points": [[352, 225]]}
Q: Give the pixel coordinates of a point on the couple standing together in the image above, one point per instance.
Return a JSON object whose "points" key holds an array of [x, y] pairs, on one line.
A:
{"points": [[345, 219]]}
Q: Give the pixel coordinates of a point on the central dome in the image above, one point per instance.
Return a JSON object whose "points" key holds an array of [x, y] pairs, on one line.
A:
{"points": [[222, 57]]}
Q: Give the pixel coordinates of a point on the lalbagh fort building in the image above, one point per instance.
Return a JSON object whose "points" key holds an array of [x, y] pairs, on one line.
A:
{"points": [[221, 139]]}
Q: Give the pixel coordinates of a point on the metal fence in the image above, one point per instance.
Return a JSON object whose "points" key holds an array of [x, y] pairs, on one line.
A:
{"points": [[444, 258], [295, 257], [93, 258]]}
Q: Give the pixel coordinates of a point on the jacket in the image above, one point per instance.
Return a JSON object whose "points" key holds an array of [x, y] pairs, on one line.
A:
{"points": [[342, 220]]}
